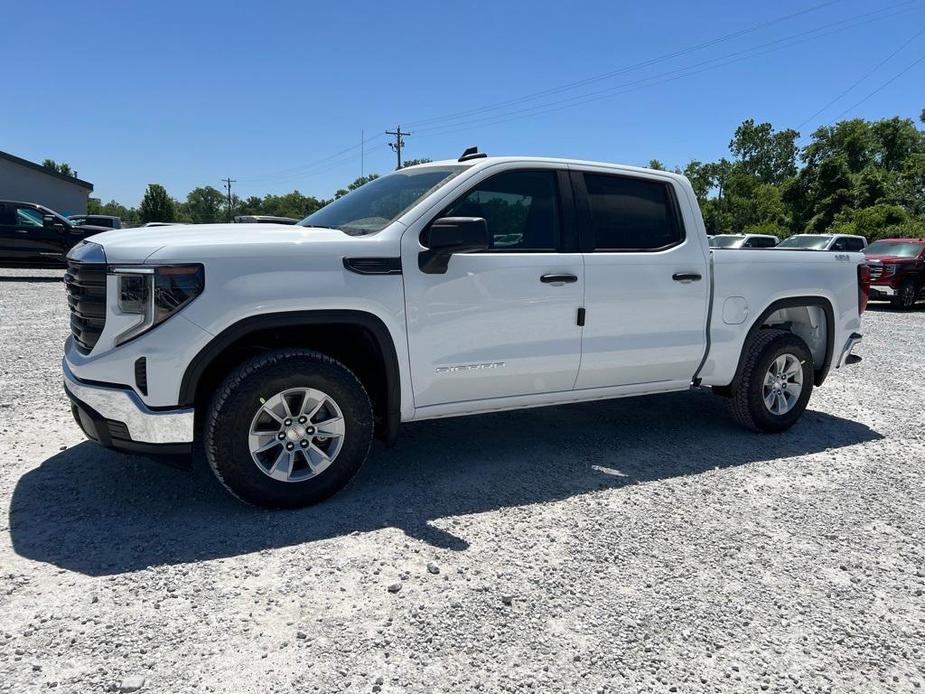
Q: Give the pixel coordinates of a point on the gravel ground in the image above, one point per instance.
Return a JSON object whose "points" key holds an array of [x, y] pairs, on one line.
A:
{"points": [[635, 545]]}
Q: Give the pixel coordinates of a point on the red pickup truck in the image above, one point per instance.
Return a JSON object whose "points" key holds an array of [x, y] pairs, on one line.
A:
{"points": [[897, 270]]}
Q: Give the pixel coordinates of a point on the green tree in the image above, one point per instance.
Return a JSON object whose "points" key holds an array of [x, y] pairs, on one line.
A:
{"points": [[157, 205], [876, 222], [61, 168], [205, 205], [769, 156], [656, 164]]}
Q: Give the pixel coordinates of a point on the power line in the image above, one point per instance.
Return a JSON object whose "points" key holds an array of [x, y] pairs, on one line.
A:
{"points": [[580, 99], [629, 68], [868, 74], [398, 144], [880, 88], [662, 78], [303, 170]]}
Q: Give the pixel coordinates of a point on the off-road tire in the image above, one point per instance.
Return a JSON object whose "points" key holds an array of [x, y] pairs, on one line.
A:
{"points": [[239, 397], [747, 401]]}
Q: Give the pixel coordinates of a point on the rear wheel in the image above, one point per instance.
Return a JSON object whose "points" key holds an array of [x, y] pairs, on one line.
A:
{"points": [[776, 382], [288, 428]]}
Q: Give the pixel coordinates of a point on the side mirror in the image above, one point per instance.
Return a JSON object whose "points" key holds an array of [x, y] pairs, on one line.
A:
{"points": [[49, 221], [449, 235]]}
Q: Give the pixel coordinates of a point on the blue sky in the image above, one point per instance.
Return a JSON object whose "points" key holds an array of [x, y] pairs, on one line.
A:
{"points": [[186, 93]]}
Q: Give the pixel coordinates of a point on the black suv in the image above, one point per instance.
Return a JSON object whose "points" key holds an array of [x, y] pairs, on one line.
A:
{"points": [[34, 236]]}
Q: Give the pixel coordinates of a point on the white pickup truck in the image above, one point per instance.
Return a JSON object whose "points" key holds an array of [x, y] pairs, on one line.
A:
{"points": [[450, 288]]}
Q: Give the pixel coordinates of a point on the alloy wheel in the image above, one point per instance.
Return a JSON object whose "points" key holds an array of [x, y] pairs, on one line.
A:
{"points": [[296, 434], [783, 384]]}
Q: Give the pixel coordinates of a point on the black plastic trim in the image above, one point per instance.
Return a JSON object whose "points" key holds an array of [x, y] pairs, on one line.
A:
{"points": [[793, 302], [197, 367], [374, 266], [141, 375]]}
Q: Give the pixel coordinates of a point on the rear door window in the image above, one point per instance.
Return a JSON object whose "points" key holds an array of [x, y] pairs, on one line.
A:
{"points": [[631, 214]]}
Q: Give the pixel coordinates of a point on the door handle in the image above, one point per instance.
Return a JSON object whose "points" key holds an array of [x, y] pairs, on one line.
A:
{"points": [[687, 276], [558, 278]]}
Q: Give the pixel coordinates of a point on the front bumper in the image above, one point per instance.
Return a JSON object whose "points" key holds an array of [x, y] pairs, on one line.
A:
{"points": [[115, 417]]}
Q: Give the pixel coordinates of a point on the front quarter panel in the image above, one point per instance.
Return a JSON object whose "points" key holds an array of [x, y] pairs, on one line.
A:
{"points": [[244, 282]]}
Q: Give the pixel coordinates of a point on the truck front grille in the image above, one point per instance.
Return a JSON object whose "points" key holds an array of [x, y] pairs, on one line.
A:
{"points": [[86, 297], [875, 270]]}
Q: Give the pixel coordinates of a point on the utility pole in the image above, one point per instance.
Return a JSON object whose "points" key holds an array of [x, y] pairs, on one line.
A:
{"points": [[399, 142], [228, 182]]}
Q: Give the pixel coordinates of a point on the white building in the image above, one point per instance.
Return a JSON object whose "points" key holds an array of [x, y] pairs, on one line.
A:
{"points": [[25, 181]]}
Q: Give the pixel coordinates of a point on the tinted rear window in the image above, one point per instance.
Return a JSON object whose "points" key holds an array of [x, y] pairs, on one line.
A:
{"points": [[631, 213]]}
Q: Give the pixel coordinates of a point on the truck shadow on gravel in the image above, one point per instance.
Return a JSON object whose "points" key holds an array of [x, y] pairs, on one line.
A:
{"points": [[97, 512]]}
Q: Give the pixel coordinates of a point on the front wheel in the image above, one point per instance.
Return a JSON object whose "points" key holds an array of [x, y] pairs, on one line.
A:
{"points": [[907, 295], [777, 380], [288, 428]]}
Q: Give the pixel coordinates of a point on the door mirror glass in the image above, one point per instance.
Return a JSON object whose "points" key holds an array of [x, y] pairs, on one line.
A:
{"points": [[449, 235]]}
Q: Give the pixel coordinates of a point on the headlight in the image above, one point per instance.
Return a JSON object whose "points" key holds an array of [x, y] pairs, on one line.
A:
{"points": [[888, 269], [154, 294]]}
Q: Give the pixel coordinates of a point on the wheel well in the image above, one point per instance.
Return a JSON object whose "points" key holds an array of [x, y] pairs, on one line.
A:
{"points": [[355, 345], [810, 318]]}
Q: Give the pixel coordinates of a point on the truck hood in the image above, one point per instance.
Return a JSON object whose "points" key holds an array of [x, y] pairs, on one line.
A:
{"points": [[891, 259], [201, 242]]}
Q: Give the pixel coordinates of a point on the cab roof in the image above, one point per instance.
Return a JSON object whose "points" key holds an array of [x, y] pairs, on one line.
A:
{"points": [[488, 161]]}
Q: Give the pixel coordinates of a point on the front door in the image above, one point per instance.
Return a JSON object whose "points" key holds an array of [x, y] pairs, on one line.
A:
{"points": [[647, 285], [502, 322], [37, 245]]}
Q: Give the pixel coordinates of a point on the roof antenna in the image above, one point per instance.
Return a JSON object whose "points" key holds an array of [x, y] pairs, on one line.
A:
{"points": [[472, 153]]}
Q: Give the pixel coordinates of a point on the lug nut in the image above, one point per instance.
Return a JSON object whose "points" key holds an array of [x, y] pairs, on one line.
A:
{"points": [[303, 443], [309, 430], [289, 446], [280, 436], [288, 422], [303, 419]]}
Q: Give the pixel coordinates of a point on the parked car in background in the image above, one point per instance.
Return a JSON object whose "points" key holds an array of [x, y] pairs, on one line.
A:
{"points": [[743, 241], [263, 219], [824, 242], [897, 270], [31, 235], [96, 220]]}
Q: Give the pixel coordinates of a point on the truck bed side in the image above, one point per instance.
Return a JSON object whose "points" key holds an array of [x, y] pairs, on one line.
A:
{"points": [[757, 287]]}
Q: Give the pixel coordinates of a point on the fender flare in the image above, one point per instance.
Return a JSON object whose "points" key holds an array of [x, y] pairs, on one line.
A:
{"points": [[793, 302], [218, 344]]}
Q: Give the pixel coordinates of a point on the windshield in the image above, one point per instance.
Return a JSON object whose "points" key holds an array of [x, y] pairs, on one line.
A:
{"points": [[896, 248], [726, 241], [374, 205], [816, 243]]}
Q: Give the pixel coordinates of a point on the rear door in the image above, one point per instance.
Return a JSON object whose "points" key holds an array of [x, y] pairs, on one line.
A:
{"points": [[646, 281], [502, 322]]}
